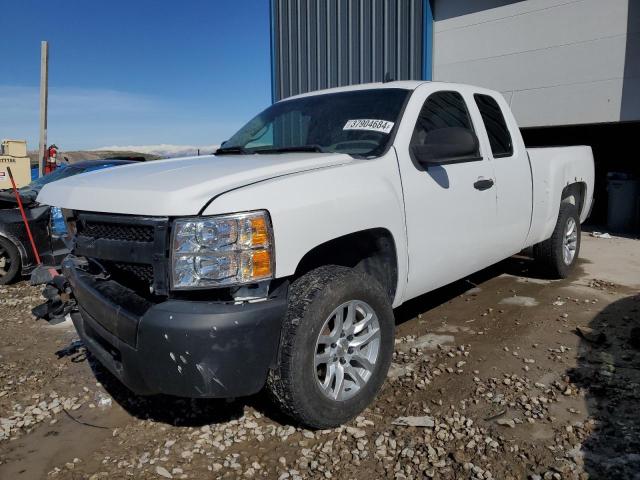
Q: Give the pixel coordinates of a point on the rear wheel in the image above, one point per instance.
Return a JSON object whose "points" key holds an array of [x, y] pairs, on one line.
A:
{"points": [[9, 262], [559, 254], [336, 347]]}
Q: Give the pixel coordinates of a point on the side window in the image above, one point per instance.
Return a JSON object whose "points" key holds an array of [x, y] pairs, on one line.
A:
{"points": [[444, 131], [441, 110], [496, 126]]}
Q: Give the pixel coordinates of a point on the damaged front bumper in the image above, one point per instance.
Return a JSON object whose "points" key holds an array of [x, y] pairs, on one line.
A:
{"points": [[177, 347]]}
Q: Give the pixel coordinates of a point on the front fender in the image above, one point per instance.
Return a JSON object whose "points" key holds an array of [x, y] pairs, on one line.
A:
{"points": [[310, 208]]}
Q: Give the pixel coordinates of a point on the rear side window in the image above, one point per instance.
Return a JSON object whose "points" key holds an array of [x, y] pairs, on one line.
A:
{"points": [[496, 126]]}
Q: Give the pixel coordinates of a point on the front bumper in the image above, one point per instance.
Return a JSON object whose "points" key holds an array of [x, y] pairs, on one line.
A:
{"points": [[182, 348]]}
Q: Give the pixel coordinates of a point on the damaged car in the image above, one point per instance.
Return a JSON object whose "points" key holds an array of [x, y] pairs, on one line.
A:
{"points": [[47, 225]]}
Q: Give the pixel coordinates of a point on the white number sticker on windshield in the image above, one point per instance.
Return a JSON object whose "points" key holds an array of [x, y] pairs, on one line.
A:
{"points": [[381, 126]]}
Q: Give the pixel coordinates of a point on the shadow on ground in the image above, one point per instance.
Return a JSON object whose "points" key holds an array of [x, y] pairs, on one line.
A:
{"points": [[181, 412], [609, 370], [518, 266], [176, 411]]}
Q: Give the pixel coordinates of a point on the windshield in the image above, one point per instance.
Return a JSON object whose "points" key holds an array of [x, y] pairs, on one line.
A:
{"points": [[357, 123]]}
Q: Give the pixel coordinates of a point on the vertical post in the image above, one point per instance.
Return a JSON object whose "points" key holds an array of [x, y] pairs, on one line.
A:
{"points": [[427, 42], [275, 61], [44, 97]]}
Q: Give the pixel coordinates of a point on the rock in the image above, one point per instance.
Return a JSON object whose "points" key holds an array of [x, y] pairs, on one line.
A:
{"points": [[423, 421], [591, 336], [163, 472], [356, 432], [506, 422], [459, 457]]}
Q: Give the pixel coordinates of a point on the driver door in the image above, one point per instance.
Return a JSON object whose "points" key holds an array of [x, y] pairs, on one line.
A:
{"points": [[450, 207]]}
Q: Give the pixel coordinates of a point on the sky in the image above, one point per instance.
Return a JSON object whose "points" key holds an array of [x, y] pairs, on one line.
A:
{"points": [[136, 72]]}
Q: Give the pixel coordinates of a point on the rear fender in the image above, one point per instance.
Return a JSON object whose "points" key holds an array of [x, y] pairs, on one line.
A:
{"points": [[557, 174]]}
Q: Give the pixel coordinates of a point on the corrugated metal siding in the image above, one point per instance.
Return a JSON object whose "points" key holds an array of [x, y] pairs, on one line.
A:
{"points": [[329, 43]]}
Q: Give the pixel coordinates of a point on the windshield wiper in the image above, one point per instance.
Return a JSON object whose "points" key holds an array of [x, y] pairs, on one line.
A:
{"points": [[295, 148], [233, 151]]}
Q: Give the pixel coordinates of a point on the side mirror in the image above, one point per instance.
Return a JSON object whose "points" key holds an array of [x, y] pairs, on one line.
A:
{"points": [[447, 145]]}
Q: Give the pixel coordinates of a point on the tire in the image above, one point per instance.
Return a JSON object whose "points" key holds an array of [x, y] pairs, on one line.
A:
{"points": [[9, 262], [550, 254], [314, 298]]}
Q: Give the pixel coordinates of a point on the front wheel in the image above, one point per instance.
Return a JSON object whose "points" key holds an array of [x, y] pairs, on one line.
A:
{"points": [[336, 347], [558, 254]]}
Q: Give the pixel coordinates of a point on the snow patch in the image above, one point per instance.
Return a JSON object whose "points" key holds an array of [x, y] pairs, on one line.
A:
{"points": [[164, 149]]}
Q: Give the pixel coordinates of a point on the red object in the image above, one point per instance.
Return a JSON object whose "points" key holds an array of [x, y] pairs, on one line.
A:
{"points": [[24, 216], [51, 163]]}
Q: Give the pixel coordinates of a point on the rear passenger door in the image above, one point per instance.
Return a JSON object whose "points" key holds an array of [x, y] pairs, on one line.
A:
{"points": [[450, 207], [512, 174]]}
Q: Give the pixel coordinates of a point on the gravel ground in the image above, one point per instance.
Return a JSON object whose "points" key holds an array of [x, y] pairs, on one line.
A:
{"points": [[503, 375]]}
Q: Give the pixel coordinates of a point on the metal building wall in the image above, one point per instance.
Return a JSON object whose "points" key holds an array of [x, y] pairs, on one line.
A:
{"points": [[318, 44]]}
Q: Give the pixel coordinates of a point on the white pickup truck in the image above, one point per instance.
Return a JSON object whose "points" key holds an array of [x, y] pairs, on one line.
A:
{"points": [[277, 262]]}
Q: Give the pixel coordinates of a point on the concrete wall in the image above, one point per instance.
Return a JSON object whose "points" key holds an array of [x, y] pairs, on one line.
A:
{"points": [[557, 62]]}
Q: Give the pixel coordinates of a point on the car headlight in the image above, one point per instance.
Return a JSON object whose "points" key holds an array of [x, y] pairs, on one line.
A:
{"points": [[222, 250]]}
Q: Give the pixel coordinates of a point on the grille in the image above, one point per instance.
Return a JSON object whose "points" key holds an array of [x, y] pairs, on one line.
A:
{"points": [[142, 272], [132, 249], [111, 231]]}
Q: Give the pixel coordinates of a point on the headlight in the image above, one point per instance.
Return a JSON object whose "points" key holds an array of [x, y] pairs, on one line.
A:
{"points": [[222, 251]]}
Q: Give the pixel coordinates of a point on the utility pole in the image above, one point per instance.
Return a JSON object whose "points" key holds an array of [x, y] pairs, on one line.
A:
{"points": [[44, 97]]}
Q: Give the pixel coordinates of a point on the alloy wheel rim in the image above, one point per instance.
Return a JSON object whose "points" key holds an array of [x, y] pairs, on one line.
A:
{"points": [[5, 262], [570, 241], [347, 350]]}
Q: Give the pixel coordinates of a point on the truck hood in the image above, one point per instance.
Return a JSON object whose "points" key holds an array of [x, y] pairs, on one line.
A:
{"points": [[176, 187]]}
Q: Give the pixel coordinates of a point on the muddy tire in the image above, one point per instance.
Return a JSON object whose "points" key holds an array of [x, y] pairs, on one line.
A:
{"points": [[557, 255], [336, 347], [9, 262]]}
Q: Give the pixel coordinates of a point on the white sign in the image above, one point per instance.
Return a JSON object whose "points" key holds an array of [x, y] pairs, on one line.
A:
{"points": [[368, 124], [2, 175]]}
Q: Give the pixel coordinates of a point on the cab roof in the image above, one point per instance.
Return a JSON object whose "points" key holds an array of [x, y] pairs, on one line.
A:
{"points": [[401, 84]]}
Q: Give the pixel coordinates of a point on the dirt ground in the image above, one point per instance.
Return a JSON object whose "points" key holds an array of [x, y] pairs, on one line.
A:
{"points": [[508, 375]]}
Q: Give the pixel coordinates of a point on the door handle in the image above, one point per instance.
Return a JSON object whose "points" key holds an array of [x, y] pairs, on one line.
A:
{"points": [[483, 184]]}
